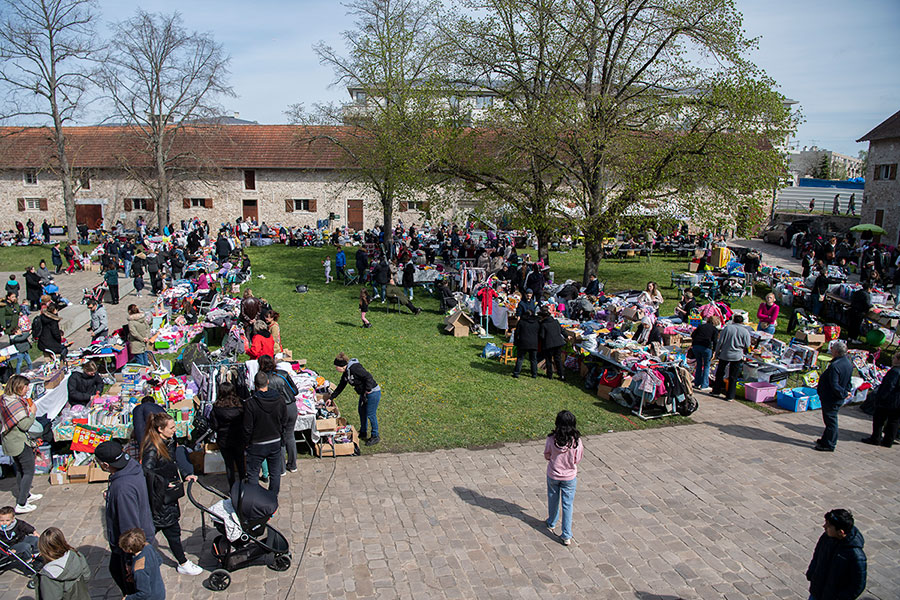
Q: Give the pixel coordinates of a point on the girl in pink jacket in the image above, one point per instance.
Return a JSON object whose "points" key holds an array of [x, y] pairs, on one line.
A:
{"points": [[563, 452]]}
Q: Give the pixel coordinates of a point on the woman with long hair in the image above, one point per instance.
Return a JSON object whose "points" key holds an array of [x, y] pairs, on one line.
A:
{"points": [[271, 320], [65, 573], [228, 423], [162, 459], [563, 452], [261, 344], [17, 414], [364, 300]]}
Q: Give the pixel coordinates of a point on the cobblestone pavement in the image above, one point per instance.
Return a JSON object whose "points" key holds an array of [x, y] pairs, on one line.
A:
{"points": [[729, 507]]}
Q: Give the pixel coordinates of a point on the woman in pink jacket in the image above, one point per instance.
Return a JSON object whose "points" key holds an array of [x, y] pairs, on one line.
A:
{"points": [[563, 452], [767, 315]]}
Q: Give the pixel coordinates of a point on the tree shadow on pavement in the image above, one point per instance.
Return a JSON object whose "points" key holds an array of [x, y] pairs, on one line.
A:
{"points": [[755, 433], [651, 596], [502, 507]]}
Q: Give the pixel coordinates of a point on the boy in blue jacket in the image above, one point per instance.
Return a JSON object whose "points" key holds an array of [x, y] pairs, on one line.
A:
{"points": [[148, 580]]}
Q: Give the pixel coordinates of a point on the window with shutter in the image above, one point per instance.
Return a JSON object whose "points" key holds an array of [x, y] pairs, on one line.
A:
{"points": [[149, 204], [312, 206], [249, 180], [20, 203], [289, 205], [208, 203], [893, 172], [127, 204], [43, 204], [185, 202], [30, 177], [404, 206]]}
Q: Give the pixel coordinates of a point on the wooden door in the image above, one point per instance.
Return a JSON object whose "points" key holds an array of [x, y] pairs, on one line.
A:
{"points": [[355, 214], [90, 215], [250, 210]]}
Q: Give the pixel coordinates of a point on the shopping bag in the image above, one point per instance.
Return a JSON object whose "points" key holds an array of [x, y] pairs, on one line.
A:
{"points": [[86, 438], [490, 351]]}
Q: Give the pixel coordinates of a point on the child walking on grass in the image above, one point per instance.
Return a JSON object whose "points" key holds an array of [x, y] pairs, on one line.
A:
{"points": [[364, 300], [327, 264]]}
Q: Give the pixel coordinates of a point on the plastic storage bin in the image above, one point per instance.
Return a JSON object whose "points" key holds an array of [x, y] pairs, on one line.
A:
{"points": [[760, 391]]}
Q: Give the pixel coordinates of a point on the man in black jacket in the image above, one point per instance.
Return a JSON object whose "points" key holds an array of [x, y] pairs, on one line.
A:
{"points": [[127, 506], [381, 277], [85, 384], [887, 407], [362, 265], [265, 418], [552, 342], [860, 303], [141, 414], [366, 388], [526, 341], [833, 388], [838, 567]]}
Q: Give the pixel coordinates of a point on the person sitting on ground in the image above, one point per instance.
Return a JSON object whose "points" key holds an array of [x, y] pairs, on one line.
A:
{"points": [[593, 286], [394, 291], [767, 314], [85, 384], [65, 573], [651, 296], [684, 308], [44, 273]]}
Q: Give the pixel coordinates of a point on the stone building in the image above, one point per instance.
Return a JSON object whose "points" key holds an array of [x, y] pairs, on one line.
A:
{"points": [[274, 173], [882, 199]]}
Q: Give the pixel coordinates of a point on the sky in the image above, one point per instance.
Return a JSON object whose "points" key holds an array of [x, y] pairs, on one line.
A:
{"points": [[838, 59]]}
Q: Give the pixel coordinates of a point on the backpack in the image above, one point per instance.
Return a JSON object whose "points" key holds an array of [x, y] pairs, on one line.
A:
{"points": [[688, 406], [37, 327], [301, 289]]}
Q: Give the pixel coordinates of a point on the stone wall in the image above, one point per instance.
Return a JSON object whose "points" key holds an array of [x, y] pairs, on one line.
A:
{"points": [[883, 194], [226, 191]]}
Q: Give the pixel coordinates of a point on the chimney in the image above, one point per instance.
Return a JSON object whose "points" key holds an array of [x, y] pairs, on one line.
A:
{"points": [[237, 115]]}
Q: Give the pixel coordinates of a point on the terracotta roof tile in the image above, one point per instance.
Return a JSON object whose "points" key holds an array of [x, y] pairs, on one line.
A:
{"points": [[231, 146]]}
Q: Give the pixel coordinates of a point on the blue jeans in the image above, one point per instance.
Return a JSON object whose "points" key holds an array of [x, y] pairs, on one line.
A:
{"points": [[703, 355], [127, 265], [368, 407], [380, 290], [273, 457], [141, 359], [767, 328], [20, 358], [564, 490], [675, 320]]}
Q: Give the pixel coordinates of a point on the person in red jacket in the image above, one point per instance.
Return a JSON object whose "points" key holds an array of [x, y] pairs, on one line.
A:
{"points": [[261, 343]]}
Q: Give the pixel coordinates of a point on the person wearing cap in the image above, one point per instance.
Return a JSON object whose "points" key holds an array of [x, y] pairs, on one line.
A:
{"points": [[99, 326], [353, 373], [127, 506]]}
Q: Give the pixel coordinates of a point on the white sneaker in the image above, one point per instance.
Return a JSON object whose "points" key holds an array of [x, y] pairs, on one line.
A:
{"points": [[25, 508], [33, 497], [189, 568]]}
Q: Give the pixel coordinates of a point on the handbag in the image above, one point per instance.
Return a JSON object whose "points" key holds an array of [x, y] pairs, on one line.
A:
{"points": [[174, 491]]}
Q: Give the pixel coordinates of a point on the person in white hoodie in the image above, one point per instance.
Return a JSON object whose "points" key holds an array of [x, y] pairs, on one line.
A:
{"points": [[66, 572]]}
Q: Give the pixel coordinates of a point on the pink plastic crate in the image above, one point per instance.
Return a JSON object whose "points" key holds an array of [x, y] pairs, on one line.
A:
{"points": [[760, 391]]}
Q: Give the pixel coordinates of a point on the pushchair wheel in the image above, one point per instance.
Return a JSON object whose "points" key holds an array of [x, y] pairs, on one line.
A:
{"points": [[219, 580], [32, 583], [281, 562]]}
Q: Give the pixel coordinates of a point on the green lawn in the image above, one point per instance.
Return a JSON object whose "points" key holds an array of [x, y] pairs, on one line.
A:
{"points": [[438, 391], [19, 258]]}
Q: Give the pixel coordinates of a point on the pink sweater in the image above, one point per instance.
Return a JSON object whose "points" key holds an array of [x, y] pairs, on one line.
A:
{"points": [[563, 462], [767, 314]]}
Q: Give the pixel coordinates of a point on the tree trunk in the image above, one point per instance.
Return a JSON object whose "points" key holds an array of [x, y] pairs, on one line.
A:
{"points": [[65, 173], [388, 210], [543, 240], [162, 179]]}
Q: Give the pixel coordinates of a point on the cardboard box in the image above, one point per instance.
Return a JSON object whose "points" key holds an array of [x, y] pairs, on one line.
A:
{"points": [[458, 324], [603, 391], [673, 339], [631, 313], [97, 475], [58, 478], [78, 473], [813, 340], [693, 267], [325, 449], [326, 424]]}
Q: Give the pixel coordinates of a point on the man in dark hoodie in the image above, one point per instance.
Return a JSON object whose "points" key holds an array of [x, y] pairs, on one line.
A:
{"points": [[265, 418], [526, 341], [141, 414], [838, 567], [127, 506]]}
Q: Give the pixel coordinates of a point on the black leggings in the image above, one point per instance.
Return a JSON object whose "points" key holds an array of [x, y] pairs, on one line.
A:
{"points": [[172, 533], [234, 464]]}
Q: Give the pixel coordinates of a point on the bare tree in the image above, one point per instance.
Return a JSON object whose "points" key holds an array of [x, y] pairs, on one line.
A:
{"points": [[393, 57], [46, 53], [163, 82]]}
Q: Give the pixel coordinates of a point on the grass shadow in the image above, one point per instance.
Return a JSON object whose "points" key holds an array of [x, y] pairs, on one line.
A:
{"points": [[503, 508], [347, 324]]}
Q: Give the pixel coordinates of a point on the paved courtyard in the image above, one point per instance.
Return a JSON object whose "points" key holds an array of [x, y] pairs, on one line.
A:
{"points": [[729, 507]]}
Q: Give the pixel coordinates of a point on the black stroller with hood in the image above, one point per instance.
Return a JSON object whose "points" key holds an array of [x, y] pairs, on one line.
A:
{"points": [[245, 535]]}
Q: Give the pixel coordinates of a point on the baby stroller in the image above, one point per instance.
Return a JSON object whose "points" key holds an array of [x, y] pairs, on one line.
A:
{"points": [[52, 290], [247, 536], [10, 560], [94, 293]]}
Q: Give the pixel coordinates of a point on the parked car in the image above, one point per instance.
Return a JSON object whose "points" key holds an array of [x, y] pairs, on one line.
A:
{"points": [[781, 233]]}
